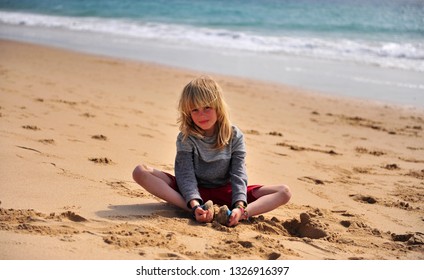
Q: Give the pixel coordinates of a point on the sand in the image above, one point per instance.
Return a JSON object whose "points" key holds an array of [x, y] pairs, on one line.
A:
{"points": [[74, 126]]}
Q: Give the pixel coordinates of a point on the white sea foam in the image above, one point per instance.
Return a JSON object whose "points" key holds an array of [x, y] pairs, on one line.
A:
{"points": [[401, 55]]}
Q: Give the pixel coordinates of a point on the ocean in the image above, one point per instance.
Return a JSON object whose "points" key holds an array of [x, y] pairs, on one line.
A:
{"points": [[367, 49]]}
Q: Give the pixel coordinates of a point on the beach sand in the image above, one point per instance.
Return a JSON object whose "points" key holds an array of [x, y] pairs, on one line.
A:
{"points": [[74, 126]]}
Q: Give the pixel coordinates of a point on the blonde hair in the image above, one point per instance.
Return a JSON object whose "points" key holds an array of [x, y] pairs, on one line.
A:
{"points": [[204, 92]]}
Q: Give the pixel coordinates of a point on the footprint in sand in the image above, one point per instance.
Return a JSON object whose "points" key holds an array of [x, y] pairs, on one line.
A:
{"points": [[392, 166], [252, 132], [88, 115], [73, 217], [104, 160], [418, 174], [99, 137], [301, 149], [31, 127], [46, 141], [364, 198], [310, 179], [362, 150], [275, 133]]}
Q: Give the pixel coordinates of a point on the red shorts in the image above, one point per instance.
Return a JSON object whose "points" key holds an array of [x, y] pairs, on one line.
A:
{"points": [[221, 195]]}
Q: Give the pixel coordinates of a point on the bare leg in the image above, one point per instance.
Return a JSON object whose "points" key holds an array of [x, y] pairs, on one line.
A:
{"points": [[158, 183], [268, 198]]}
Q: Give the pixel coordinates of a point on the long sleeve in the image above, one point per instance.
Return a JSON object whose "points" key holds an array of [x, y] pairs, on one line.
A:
{"points": [[184, 171], [238, 168]]}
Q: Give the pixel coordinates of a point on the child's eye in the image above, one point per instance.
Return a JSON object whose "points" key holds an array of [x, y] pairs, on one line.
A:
{"points": [[195, 110]]}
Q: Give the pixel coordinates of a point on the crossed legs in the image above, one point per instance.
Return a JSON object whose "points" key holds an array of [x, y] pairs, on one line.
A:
{"points": [[268, 198], [158, 183]]}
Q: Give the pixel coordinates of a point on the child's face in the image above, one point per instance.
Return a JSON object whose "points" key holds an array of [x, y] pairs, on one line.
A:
{"points": [[205, 118]]}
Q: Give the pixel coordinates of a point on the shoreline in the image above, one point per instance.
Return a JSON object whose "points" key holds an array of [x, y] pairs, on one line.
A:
{"points": [[331, 78], [73, 127]]}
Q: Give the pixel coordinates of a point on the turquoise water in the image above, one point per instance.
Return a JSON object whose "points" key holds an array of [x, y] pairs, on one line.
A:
{"points": [[388, 34]]}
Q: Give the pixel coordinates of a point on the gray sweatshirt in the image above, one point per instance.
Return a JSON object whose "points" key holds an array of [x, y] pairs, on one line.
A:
{"points": [[197, 163]]}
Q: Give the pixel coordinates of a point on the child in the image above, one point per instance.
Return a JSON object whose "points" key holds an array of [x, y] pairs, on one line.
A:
{"points": [[210, 162]]}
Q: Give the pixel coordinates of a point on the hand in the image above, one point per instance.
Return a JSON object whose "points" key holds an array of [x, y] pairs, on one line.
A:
{"points": [[234, 217], [203, 216]]}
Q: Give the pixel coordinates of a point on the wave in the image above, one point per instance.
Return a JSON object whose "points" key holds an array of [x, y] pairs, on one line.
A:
{"points": [[403, 55]]}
